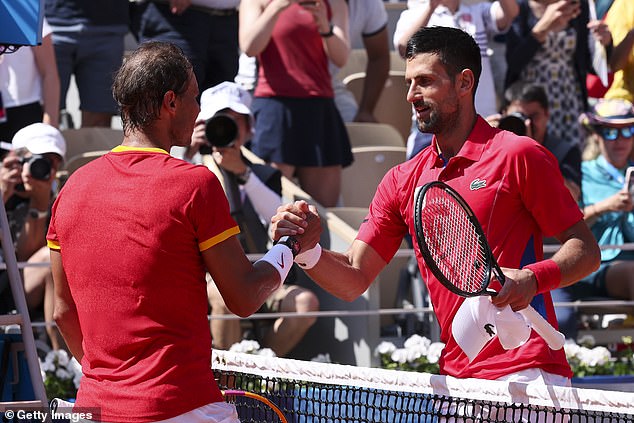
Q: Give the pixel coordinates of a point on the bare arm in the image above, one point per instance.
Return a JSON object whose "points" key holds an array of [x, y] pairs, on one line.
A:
{"points": [[338, 46], [257, 22], [622, 52], [376, 73], [347, 275], [65, 312], [504, 16], [47, 67], [578, 256], [235, 276], [556, 17], [619, 202], [421, 21], [33, 234]]}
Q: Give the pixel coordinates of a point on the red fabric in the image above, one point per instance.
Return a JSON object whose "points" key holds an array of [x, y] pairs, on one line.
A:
{"points": [[596, 89], [516, 191], [130, 226], [294, 63], [547, 273]]}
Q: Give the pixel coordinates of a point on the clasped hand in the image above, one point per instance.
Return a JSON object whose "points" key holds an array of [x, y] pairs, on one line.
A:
{"points": [[298, 219]]}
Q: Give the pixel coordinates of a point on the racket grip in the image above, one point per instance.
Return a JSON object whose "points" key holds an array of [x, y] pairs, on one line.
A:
{"points": [[553, 338]]}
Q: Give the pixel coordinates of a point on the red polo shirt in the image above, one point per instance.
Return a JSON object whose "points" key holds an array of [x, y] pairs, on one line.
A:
{"points": [[514, 187], [131, 226]]}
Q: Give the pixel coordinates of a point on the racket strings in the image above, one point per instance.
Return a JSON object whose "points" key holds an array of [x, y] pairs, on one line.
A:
{"points": [[453, 242]]}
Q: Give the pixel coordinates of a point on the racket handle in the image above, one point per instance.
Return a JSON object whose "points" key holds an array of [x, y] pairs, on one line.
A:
{"points": [[553, 338]]}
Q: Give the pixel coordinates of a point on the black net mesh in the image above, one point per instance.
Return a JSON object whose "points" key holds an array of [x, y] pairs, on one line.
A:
{"points": [[310, 400]]}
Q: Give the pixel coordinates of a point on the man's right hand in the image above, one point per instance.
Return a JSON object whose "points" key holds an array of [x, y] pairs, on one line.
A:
{"points": [[298, 219], [198, 139], [556, 17]]}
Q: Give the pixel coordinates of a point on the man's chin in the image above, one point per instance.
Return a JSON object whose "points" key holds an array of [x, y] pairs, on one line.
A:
{"points": [[424, 128]]}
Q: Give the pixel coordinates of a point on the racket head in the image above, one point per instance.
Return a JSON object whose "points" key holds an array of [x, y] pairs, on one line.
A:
{"points": [[451, 241], [229, 393]]}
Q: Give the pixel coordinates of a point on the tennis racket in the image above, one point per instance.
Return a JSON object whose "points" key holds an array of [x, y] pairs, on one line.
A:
{"points": [[457, 253], [236, 393]]}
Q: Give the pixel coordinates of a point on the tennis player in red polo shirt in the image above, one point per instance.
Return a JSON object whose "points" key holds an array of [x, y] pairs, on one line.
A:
{"points": [[131, 236], [512, 183]]}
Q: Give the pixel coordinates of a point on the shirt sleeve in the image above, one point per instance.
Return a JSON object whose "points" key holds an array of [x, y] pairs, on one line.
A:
{"points": [[616, 22], [52, 240], [488, 15], [406, 20], [210, 212], [376, 17], [543, 192], [384, 228]]}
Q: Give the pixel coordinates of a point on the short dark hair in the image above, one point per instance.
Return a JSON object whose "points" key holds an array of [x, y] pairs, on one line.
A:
{"points": [[152, 70], [456, 49], [525, 92]]}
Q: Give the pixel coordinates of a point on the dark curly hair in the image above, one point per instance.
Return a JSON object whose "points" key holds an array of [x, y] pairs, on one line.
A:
{"points": [[152, 70]]}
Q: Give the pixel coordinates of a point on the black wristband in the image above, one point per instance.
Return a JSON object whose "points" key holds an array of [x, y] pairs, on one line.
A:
{"points": [[328, 34], [291, 242]]}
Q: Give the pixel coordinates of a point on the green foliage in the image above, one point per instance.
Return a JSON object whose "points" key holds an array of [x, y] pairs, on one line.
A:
{"points": [[61, 375]]}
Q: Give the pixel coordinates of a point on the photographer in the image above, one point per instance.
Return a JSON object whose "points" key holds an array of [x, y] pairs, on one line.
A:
{"points": [[27, 180], [525, 112], [223, 126]]}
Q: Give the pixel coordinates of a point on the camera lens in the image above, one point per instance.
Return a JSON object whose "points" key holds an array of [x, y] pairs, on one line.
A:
{"points": [[221, 130], [39, 167], [513, 122]]}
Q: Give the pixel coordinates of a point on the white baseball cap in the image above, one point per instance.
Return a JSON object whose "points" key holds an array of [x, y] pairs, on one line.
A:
{"points": [[40, 138], [226, 95], [478, 321], [473, 325]]}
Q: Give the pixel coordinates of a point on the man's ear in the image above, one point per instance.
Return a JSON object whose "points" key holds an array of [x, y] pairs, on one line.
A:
{"points": [[466, 82], [169, 100]]}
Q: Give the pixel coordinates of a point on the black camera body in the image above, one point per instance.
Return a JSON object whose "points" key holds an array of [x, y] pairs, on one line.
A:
{"points": [[514, 122], [221, 130], [40, 166]]}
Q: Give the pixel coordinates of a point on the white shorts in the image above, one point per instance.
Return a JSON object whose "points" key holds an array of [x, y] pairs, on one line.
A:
{"points": [[215, 412], [536, 375]]}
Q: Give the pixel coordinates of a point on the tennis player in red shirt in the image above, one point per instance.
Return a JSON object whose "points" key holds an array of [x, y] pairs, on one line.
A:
{"points": [[131, 236], [512, 183]]}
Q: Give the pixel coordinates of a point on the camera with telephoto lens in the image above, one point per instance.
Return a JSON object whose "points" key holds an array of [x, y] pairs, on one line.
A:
{"points": [[514, 122], [39, 166], [221, 130]]}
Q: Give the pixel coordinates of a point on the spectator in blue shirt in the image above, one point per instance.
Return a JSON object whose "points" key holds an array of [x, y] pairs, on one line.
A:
{"points": [[607, 208]]}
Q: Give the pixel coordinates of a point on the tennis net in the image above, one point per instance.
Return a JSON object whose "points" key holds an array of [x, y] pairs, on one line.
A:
{"points": [[323, 392]]}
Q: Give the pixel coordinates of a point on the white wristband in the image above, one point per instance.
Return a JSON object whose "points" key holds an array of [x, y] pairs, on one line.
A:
{"points": [[280, 257], [308, 259]]}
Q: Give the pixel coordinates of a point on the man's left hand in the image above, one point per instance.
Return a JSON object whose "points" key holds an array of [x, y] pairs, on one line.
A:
{"points": [[518, 290]]}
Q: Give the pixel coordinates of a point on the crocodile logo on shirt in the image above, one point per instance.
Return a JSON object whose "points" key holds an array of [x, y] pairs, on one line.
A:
{"points": [[477, 183]]}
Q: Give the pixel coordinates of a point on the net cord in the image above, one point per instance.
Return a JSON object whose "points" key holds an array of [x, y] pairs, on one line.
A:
{"points": [[424, 383]]}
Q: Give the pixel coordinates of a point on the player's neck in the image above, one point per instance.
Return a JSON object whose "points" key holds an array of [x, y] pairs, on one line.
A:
{"points": [[451, 141], [143, 139]]}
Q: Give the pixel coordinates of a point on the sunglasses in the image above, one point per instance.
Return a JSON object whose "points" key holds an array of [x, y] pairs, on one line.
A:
{"points": [[611, 134]]}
